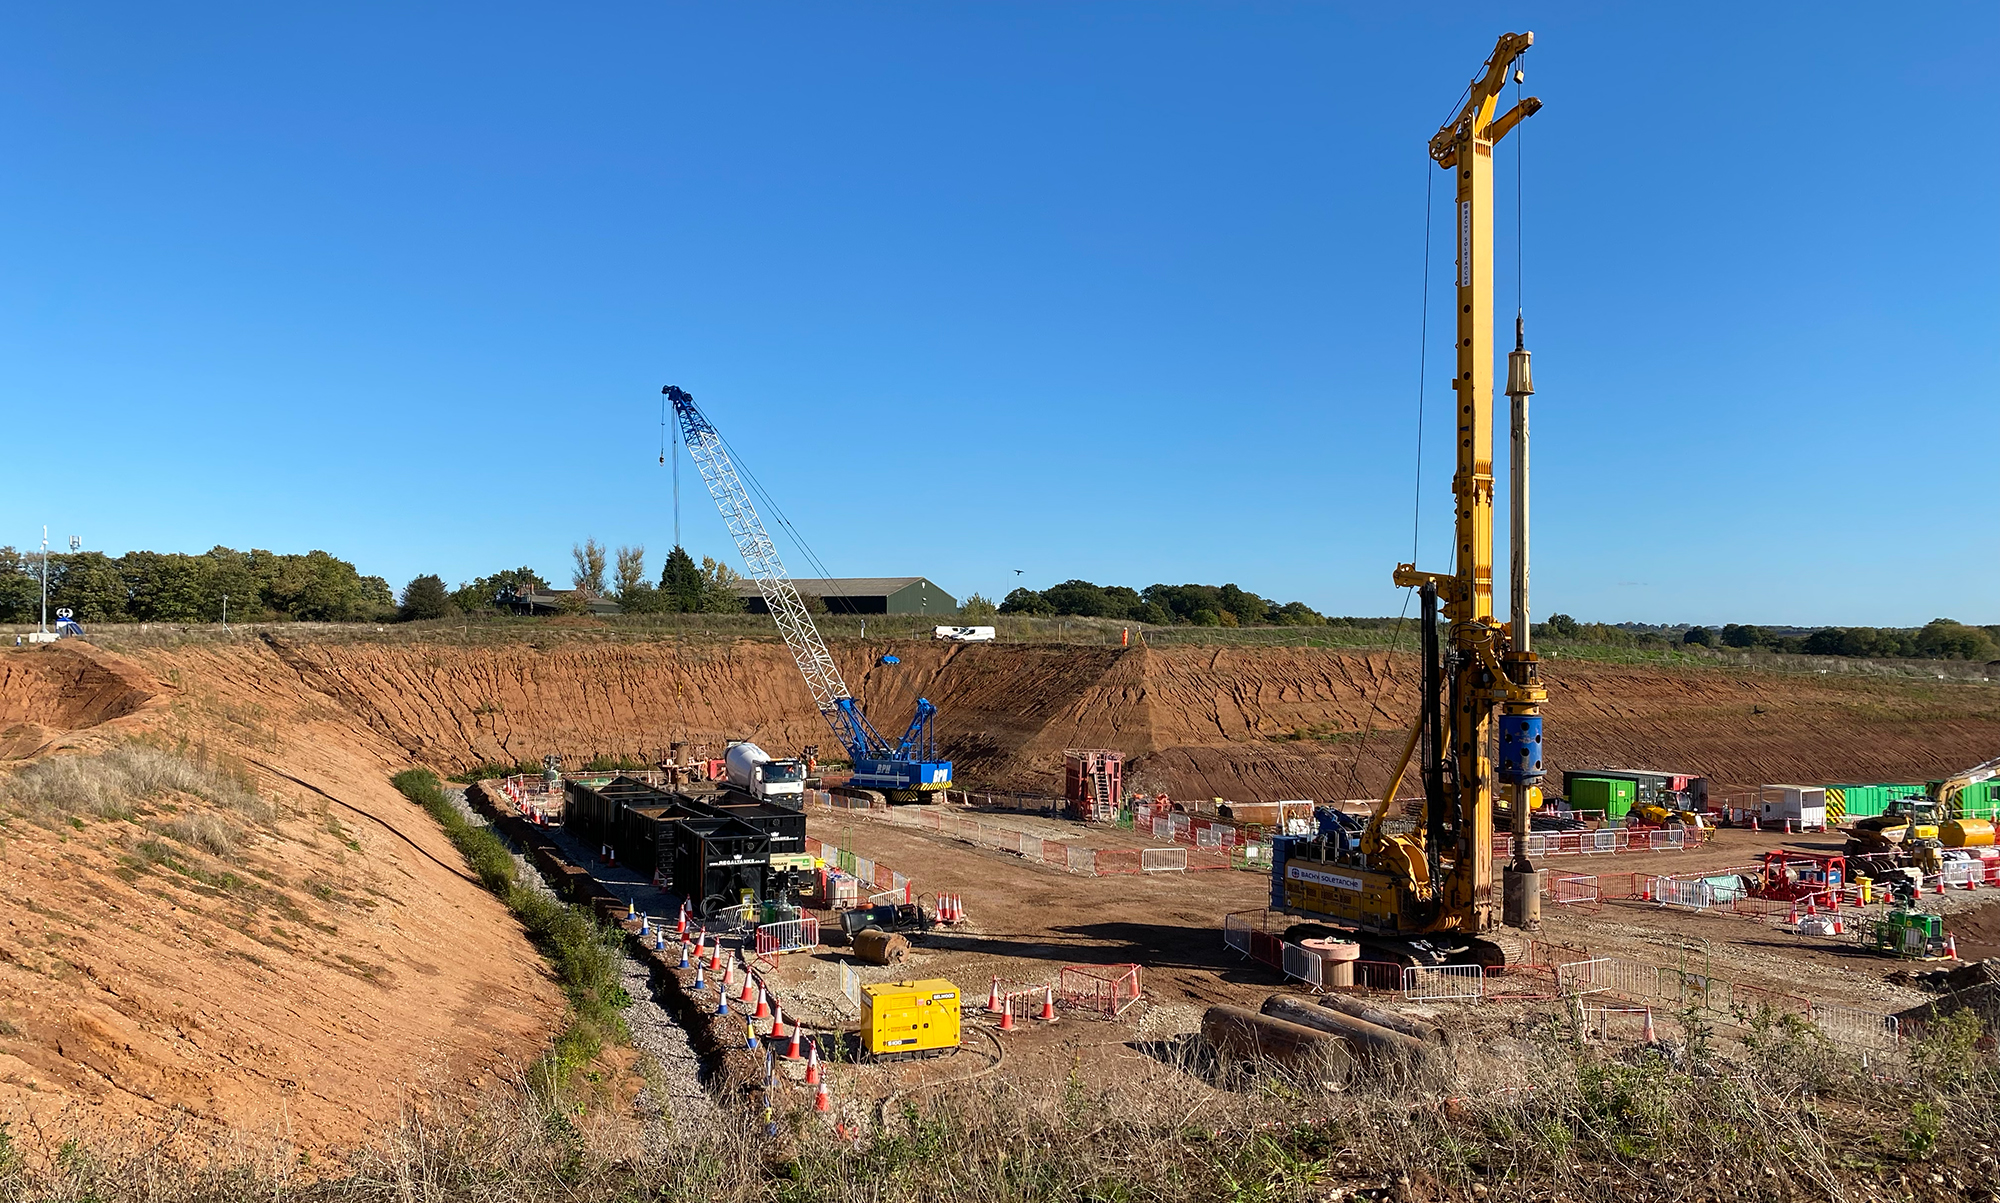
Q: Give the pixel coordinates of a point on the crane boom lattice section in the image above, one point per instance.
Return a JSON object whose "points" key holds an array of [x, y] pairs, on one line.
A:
{"points": [[760, 556]]}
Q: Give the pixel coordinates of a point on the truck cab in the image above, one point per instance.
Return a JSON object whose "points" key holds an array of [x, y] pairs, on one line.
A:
{"points": [[751, 770]]}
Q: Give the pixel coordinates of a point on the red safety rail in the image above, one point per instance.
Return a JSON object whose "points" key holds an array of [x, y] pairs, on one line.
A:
{"points": [[1384, 976], [1111, 861], [1200, 858], [1098, 989]]}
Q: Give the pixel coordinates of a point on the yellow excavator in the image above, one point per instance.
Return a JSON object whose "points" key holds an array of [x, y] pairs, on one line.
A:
{"points": [[1427, 894], [1911, 830]]}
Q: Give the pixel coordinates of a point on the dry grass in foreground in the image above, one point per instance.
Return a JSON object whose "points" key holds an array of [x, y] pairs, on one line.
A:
{"points": [[1796, 1120]]}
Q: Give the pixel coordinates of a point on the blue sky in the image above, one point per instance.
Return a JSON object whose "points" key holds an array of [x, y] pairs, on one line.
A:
{"points": [[1121, 292]]}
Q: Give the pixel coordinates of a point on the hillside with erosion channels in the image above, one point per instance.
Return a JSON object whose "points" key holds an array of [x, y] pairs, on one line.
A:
{"points": [[221, 919], [222, 916]]}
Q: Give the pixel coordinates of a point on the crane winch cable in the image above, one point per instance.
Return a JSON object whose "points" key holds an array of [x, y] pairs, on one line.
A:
{"points": [[771, 503]]}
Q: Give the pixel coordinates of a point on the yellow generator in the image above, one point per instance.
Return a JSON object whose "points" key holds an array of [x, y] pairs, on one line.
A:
{"points": [[899, 1018]]}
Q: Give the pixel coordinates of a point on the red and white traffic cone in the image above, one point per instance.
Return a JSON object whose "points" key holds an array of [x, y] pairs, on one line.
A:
{"points": [[681, 927], [777, 1021], [749, 994], [1951, 946], [1839, 928], [1007, 1017], [792, 1048], [1754, 824], [812, 1063], [1649, 1035], [763, 1005], [821, 1103], [1940, 883], [1049, 1006], [715, 955], [1792, 919], [993, 998]]}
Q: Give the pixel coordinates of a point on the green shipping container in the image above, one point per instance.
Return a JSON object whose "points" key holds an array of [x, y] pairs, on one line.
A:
{"points": [[1977, 800], [1865, 801], [1611, 795]]}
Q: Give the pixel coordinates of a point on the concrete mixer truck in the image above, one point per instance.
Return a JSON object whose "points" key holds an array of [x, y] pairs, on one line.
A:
{"points": [[749, 769]]}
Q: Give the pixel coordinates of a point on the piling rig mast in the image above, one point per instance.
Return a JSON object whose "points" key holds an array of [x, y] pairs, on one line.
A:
{"points": [[1437, 881], [904, 770]]}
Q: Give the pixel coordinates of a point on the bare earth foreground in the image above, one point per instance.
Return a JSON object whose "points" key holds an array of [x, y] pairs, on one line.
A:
{"points": [[309, 965]]}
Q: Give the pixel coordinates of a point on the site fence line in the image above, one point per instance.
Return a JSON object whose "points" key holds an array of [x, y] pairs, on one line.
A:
{"points": [[1733, 1003], [1545, 844]]}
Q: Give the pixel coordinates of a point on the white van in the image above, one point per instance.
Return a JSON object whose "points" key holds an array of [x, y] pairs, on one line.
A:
{"points": [[965, 634]]}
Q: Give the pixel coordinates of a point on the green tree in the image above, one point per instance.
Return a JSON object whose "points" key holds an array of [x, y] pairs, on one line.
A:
{"points": [[1947, 639], [631, 570], [1698, 636], [424, 598], [1026, 601], [718, 593], [977, 605], [1734, 635], [680, 583], [90, 584], [589, 575], [487, 592], [1563, 626], [20, 588]]}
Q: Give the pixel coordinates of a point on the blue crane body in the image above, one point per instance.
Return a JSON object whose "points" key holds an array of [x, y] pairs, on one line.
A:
{"points": [[905, 769]]}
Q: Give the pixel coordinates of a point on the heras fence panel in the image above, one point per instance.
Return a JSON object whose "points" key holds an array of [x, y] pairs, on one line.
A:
{"points": [[1163, 860], [1080, 860], [1689, 895], [1030, 846], [1208, 836], [1198, 859], [1444, 983], [1163, 827], [1855, 1027], [1575, 979], [790, 935], [850, 986], [1054, 853], [1303, 964], [1236, 929]]}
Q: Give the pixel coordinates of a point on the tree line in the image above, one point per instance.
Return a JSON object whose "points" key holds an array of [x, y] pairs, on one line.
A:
{"points": [[151, 586], [599, 573], [1939, 639], [1162, 605]]}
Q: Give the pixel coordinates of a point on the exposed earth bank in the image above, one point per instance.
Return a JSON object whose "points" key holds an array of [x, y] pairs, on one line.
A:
{"points": [[325, 959]]}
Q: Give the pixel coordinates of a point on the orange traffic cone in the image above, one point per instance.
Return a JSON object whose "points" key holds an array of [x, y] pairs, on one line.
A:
{"points": [[993, 998], [715, 956], [1649, 1035], [1049, 1006], [1754, 825], [812, 1064], [1839, 928], [1007, 1017], [792, 1049], [821, 1103], [1951, 946], [777, 1021], [749, 995], [1940, 881], [763, 1005], [1793, 917]]}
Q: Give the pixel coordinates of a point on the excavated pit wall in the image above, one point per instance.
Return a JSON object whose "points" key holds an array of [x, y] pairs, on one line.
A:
{"points": [[1239, 723]]}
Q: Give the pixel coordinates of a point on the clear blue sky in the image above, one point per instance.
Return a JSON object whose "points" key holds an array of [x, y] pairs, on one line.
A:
{"points": [[1122, 292]]}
